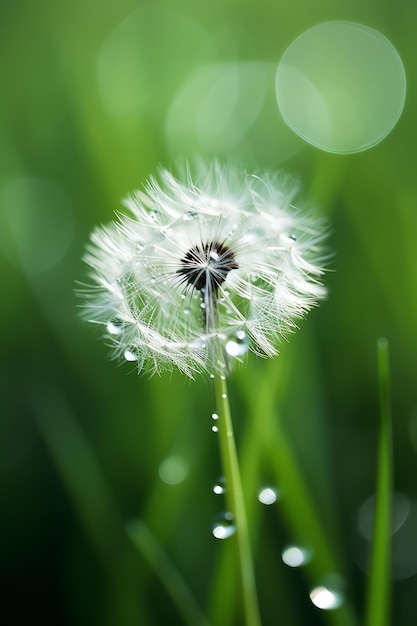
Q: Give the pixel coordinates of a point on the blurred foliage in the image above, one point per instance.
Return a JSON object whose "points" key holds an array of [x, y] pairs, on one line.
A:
{"points": [[95, 96]]}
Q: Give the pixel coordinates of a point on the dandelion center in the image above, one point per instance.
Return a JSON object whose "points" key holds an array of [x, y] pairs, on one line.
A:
{"points": [[206, 266]]}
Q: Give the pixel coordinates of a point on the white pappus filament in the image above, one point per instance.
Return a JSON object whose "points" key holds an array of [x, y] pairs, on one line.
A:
{"points": [[222, 255]]}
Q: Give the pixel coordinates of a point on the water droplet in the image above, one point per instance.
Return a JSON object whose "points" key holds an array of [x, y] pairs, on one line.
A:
{"points": [[198, 342], [326, 598], [211, 375], [130, 356], [293, 238], [223, 526], [224, 395], [253, 236], [114, 329], [238, 345], [190, 215], [267, 495], [154, 214], [215, 429], [186, 311], [214, 416], [220, 487], [294, 556]]}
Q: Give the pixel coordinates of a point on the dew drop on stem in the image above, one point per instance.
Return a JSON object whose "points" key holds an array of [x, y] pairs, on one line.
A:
{"points": [[267, 495], [220, 486], [223, 526]]}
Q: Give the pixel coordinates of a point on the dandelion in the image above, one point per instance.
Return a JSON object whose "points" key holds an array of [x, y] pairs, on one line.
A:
{"points": [[224, 258], [196, 274]]}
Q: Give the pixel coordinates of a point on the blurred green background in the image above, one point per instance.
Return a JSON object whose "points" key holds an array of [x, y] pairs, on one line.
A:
{"points": [[94, 97]]}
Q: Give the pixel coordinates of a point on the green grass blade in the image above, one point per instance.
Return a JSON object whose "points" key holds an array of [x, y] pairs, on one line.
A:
{"points": [[95, 505], [172, 580], [81, 473], [297, 506], [378, 595]]}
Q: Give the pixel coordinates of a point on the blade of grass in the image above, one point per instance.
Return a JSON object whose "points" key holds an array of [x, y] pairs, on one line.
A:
{"points": [[296, 505], [168, 574], [101, 518], [95, 505], [80, 471], [378, 594]]}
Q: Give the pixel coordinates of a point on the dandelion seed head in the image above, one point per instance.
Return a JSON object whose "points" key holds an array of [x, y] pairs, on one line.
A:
{"points": [[202, 260]]}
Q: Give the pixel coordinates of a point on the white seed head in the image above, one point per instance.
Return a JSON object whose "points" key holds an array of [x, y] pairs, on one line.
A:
{"points": [[219, 256]]}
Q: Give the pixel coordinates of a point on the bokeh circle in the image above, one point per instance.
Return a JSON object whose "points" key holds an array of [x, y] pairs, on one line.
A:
{"points": [[341, 86]]}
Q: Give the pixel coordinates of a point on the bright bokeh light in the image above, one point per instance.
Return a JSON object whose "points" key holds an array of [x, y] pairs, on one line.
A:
{"points": [[294, 556], [326, 599], [341, 86]]}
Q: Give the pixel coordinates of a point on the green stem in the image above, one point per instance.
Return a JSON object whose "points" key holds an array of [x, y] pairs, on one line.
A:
{"points": [[235, 503], [379, 597]]}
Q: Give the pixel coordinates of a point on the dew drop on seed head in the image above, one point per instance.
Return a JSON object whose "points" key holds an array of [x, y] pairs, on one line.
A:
{"points": [[114, 329], [223, 526], [238, 345], [220, 486], [267, 495], [295, 556], [214, 416], [198, 343], [190, 215], [130, 356], [215, 429]]}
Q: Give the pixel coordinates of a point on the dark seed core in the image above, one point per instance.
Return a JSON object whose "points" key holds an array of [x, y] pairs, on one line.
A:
{"points": [[206, 266]]}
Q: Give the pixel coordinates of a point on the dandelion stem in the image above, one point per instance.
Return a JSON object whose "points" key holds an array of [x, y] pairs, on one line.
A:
{"points": [[235, 503]]}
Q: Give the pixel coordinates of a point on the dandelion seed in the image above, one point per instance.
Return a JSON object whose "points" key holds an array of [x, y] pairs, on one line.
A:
{"points": [[213, 258]]}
